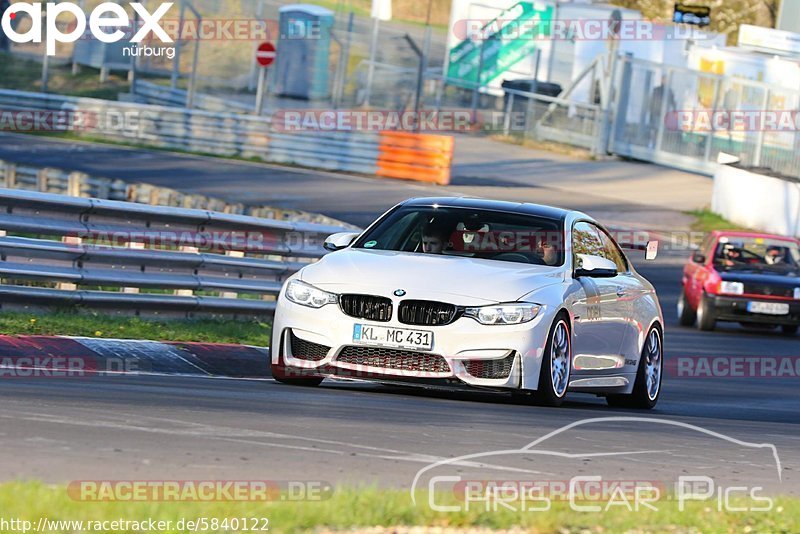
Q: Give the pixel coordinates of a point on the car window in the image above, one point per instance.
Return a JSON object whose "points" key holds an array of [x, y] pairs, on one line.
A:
{"points": [[759, 253], [589, 239], [612, 251], [585, 240], [469, 232]]}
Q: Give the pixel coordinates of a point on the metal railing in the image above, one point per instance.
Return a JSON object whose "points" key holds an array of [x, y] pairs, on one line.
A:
{"points": [[58, 181], [136, 258], [225, 134], [161, 95]]}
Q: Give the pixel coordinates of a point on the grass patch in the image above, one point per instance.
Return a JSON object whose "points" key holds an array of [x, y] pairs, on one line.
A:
{"points": [[351, 509], [64, 323], [26, 75], [706, 220]]}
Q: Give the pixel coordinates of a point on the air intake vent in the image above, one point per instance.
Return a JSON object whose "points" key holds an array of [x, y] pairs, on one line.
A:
{"points": [[493, 369], [306, 350], [403, 360]]}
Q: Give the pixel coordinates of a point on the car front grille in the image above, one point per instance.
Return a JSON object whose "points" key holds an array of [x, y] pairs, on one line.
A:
{"points": [[768, 290], [370, 307], [494, 369], [402, 360], [426, 313], [306, 350]]}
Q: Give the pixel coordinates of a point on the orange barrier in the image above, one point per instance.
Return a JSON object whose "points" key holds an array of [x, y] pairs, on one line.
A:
{"points": [[412, 156]]}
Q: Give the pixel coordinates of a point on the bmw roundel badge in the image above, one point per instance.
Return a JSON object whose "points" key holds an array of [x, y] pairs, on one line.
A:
{"points": [[399, 292]]}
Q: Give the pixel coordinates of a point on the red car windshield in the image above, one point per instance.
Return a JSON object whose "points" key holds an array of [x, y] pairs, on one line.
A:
{"points": [[735, 253]]}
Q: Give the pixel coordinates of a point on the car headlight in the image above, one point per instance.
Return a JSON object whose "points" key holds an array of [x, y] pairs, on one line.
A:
{"points": [[308, 295], [797, 292], [731, 288], [515, 313]]}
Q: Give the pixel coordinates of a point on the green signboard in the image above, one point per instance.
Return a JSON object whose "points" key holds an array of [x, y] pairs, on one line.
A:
{"points": [[501, 43]]}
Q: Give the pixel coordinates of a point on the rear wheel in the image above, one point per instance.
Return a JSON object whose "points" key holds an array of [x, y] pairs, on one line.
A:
{"points": [[789, 329], [556, 365], [706, 318], [647, 387], [686, 315]]}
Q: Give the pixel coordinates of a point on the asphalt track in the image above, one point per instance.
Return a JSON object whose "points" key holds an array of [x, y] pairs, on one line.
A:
{"points": [[190, 428]]}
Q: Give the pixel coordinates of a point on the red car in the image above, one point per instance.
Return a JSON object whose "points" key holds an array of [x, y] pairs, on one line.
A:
{"points": [[745, 277]]}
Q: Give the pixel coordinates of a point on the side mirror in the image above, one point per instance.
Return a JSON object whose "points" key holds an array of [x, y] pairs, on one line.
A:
{"points": [[594, 267], [339, 240], [698, 257], [652, 250]]}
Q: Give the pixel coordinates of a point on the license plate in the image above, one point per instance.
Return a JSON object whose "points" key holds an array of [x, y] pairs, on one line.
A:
{"points": [[768, 308], [384, 336]]}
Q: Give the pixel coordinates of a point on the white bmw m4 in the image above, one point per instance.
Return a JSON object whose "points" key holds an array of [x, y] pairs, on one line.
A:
{"points": [[529, 299]]}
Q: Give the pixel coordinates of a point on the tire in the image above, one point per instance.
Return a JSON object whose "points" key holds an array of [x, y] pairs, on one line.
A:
{"points": [[789, 329], [649, 376], [706, 318], [556, 365], [686, 315]]}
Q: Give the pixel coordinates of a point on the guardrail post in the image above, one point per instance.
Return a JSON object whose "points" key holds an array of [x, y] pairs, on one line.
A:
{"points": [[233, 254], [186, 292], [74, 241], [75, 184], [10, 175], [42, 179], [138, 246]]}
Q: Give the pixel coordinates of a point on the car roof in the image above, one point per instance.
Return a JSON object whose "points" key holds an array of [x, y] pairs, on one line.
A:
{"points": [[526, 208], [745, 233]]}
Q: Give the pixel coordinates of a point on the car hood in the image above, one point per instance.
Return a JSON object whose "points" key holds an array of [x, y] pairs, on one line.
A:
{"points": [[454, 279]]}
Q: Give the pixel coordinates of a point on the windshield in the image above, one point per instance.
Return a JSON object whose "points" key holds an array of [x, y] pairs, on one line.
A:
{"points": [[756, 253], [473, 233]]}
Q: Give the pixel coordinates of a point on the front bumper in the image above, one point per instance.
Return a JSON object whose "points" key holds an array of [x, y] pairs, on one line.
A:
{"points": [[726, 308], [463, 352]]}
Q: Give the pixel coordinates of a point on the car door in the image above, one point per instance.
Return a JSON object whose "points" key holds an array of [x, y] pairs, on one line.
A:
{"points": [[627, 289], [600, 312], [697, 272]]}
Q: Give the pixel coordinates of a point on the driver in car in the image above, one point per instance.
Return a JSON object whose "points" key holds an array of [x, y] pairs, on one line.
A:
{"points": [[730, 256], [548, 252], [433, 240]]}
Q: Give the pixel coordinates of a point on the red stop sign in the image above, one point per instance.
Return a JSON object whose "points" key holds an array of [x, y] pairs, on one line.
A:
{"points": [[265, 54]]}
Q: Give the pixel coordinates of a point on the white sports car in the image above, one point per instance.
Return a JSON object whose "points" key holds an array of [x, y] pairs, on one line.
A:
{"points": [[530, 299]]}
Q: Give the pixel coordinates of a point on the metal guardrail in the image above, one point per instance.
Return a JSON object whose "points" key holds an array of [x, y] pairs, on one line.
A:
{"points": [[58, 181], [226, 134], [158, 259], [161, 95]]}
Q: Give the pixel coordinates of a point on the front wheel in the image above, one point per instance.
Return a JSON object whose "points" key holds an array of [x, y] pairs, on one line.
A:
{"points": [[647, 387], [556, 365], [686, 315], [706, 318]]}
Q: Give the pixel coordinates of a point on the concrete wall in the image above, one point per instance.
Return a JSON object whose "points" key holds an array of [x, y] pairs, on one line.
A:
{"points": [[757, 201]]}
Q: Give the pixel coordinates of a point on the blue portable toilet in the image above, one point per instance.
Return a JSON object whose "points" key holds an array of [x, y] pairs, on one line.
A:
{"points": [[303, 58]]}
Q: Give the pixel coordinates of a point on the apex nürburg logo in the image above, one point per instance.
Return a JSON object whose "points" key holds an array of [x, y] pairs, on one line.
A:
{"points": [[102, 23]]}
